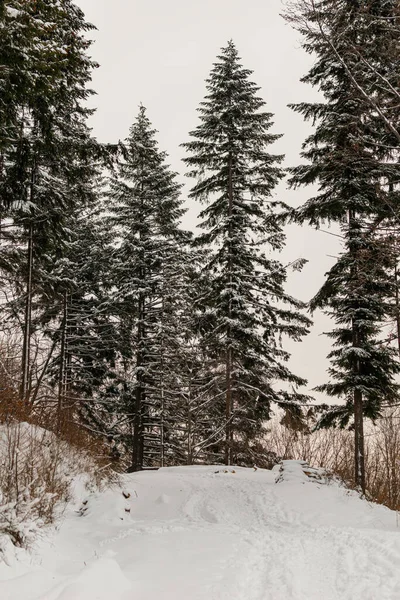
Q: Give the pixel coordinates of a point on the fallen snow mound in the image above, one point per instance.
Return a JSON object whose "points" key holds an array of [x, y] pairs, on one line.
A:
{"points": [[299, 471], [216, 533]]}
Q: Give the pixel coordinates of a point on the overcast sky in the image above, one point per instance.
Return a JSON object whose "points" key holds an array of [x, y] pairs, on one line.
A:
{"points": [[158, 52]]}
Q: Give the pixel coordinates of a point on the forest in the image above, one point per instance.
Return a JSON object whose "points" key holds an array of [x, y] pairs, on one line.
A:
{"points": [[123, 333]]}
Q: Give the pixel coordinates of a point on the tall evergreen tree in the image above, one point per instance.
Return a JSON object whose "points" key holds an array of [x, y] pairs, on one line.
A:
{"points": [[244, 298], [149, 262], [46, 160], [350, 156]]}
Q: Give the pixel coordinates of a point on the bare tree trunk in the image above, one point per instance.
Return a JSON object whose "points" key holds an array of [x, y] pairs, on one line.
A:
{"points": [[162, 376], [42, 374], [26, 348], [137, 455], [359, 446], [162, 368], [62, 372], [396, 277], [359, 441], [189, 424], [228, 408], [228, 365]]}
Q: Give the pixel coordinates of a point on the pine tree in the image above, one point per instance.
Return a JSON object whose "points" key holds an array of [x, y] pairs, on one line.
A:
{"points": [[149, 260], [349, 156], [243, 303], [46, 166]]}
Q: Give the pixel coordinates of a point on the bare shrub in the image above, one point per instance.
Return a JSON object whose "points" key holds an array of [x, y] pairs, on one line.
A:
{"points": [[36, 471], [384, 460], [31, 481], [333, 450]]}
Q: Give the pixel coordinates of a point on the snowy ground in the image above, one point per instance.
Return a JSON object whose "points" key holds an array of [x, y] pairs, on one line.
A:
{"points": [[199, 533]]}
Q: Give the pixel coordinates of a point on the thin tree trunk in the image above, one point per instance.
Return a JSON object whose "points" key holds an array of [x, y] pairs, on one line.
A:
{"points": [[162, 441], [138, 443], [26, 348], [162, 374], [359, 441], [62, 373], [68, 367], [359, 446], [229, 396], [396, 281], [189, 424], [42, 374], [396, 276], [137, 455]]}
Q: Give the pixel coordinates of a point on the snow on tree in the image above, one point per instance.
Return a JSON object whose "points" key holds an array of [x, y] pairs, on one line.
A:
{"points": [[148, 274], [45, 158], [245, 307], [352, 157]]}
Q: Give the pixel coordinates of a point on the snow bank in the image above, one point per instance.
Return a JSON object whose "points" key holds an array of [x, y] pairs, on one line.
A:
{"points": [[38, 475]]}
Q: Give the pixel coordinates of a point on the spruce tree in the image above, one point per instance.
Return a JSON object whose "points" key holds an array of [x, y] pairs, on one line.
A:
{"points": [[149, 261], [46, 166], [244, 299], [350, 156]]}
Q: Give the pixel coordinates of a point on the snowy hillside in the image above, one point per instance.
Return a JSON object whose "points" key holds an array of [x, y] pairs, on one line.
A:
{"points": [[194, 533]]}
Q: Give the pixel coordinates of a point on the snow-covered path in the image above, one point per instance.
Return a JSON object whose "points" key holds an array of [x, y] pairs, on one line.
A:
{"points": [[199, 533]]}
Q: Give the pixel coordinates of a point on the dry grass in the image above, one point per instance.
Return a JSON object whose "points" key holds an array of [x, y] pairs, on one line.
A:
{"points": [[37, 466], [334, 450], [32, 479], [36, 472]]}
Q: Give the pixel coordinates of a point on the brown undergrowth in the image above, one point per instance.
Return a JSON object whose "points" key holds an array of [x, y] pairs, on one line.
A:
{"points": [[38, 464], [333, 450]]}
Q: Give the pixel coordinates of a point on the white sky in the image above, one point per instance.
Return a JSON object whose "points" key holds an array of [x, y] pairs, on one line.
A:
{"points": [[158, 52]]}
